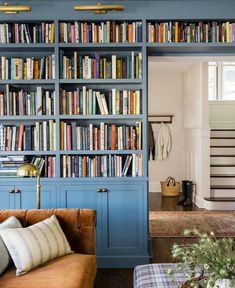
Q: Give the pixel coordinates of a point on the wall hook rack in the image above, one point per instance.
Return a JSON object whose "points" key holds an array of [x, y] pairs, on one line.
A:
{"points": [[160, 118]]}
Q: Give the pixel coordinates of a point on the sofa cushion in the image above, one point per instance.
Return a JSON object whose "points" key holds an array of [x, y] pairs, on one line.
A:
{"points": [[36, 244], [70, 271], [5, 258]]}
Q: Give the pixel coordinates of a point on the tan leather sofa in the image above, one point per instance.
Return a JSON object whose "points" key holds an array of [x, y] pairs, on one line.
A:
{"points": [[76, 270]]}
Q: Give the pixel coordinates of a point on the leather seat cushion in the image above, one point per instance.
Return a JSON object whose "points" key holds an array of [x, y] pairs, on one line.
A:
{"points": [[70, 271]]}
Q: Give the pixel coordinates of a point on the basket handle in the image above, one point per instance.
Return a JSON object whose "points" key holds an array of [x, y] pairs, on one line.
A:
{"points": [[170, 180]]}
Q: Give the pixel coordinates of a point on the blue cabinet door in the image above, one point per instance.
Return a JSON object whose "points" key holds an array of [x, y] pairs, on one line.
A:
{"points": [[82, 195], [7, 199], [26, 197], [121, 219], [124, 225]]}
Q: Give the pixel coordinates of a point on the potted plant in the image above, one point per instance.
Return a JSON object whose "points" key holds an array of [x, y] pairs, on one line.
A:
{"points": [[210, 262]]}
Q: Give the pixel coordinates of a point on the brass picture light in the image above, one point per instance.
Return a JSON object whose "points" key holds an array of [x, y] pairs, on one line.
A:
{"points": [[14, 9], [31, 170], [99, 8]]}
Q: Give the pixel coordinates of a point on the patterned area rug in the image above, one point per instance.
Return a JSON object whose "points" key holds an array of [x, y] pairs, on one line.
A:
{"points": [[172, 223]]}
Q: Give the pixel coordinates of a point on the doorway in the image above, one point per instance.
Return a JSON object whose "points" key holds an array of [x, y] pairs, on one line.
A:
{"points": [[179, 86]]}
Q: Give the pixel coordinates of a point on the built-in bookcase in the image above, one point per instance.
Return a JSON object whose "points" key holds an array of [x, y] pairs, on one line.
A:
{"points": [[27, 96], [59, 93], [177, 31], [107, 144], [73, 101]]}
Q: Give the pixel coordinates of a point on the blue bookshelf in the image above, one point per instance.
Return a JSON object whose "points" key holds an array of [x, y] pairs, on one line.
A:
{"points": [[122, 226]]}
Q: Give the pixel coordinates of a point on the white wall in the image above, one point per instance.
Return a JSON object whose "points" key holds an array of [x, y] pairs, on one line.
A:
{"points": [[165, 96], [197, 130]]}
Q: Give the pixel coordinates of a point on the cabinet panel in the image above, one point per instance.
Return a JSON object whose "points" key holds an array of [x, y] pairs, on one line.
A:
{"points": [[124, 225], [26, 198], [79, 196], [6, 198], [23, 195]]}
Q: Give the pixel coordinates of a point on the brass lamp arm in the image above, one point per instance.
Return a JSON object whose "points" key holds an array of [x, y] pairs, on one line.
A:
{"points": [[14, 9]]}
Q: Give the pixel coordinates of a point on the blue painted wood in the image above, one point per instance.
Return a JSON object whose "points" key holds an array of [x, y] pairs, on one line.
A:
{"points": [[122, 211], [83, 195], [24, 196], [122, 218], [73, 196], [37, 82], [6, 198], [100, 81], [63, 10], [158, 49], [100, 152], [124, 224]]}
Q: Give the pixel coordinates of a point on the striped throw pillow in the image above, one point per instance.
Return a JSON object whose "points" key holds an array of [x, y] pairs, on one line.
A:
{"points": [[36, 244], [5, 258]]}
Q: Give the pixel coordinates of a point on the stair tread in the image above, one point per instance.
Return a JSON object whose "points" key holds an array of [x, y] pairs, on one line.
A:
{"points": [[220, 129], [222, 155], [222, 175], [221, 146], [220, 199], [222, 137], [222, 186], [222, 165]]}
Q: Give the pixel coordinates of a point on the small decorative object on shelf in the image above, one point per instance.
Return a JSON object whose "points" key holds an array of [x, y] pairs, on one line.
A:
{"points": [[209, 256]]}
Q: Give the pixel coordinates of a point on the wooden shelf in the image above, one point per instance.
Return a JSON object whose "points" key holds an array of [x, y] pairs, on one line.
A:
{"points": [[33, 81], [100, 81], [159, 49]]}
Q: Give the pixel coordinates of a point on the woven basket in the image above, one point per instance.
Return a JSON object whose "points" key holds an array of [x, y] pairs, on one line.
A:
{"points": [[170, 187]]}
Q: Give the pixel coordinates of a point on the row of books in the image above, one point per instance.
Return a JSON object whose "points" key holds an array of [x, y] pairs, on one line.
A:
{"points": [[46, 165], [27, 68], [87, 101], [100, 137], [10, 164], [100, 67], [38, 137], [102, 166], [103, 32], [190, 32], [39, 102], [27, 32]]}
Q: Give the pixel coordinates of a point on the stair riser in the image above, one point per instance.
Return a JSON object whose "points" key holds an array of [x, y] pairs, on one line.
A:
{"points": [[222, 151], [222, 142], [222, 170], [222, 193], [211, 205], [222, 181], [223, 160], [222, 133]]}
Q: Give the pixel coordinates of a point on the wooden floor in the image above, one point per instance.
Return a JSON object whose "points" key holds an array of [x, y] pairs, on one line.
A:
{"points": [[122, 278]]}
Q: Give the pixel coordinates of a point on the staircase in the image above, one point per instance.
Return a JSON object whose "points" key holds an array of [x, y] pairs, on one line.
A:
{"points": [[222, 169]]}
